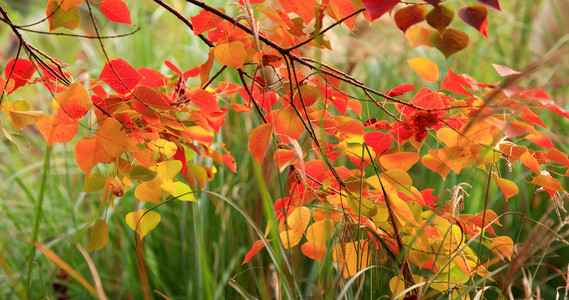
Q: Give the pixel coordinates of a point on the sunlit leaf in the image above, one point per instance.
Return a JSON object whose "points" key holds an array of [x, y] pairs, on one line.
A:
{"points": [[418, 35], [115, 11], [257, 246], [259, 140], [205, 21], [24, 118], [425, 68], [120, 75], [503, 246], [347, 255], [59, 17], [184, 192], [506, 186], [99, 236], [231, 54], [75, 101], [400, 160], [298, 219], [113, 137], [303, 8], [89, 152], [290, 238], [142, 221], [58, 128]]}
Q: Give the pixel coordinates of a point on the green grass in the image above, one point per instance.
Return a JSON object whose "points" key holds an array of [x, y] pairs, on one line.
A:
{"points": [[197, 250]]}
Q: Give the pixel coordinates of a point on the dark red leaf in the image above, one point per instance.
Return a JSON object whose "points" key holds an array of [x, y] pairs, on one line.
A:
{"points": [[377, 8], [475, 16]]}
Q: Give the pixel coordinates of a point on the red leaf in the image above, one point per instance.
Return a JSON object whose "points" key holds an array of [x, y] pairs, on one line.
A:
{"points": [[23, 70], [455, 83], [205, 21], [151, 77], [151, 98], [205, 101], [115, 11], [541, 139], [377, 8], [378, 141], [492, 4], [257, 246], [230, 162], [400, 90], [124, 77], [409, 16], [475, 16], [303, 8]]}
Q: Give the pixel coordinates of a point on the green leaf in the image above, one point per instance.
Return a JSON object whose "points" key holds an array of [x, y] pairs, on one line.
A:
{"points": [[452, 41], [95, 182], [142, 173], [99, 236], [440, 17], [20, 141], [59, 17]]}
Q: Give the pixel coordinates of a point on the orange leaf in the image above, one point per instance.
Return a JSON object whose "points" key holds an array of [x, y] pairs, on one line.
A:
{"points": [[319, 232], [146, 96], [75, 101], [205, 21], [259, 140], [548, 183], [113, 137], [529, 161], [284, 157], [351, 131], [287, 123], [400, 160], [257, 246], [290, 238], [417, 35], [232, 54], [303, 8], [313, 251], [205, 101], [508, 187], [89, 152], [433, 162], [558, 156], [425, 68], [456, 158], [58, 128], [541, 139], [503, 246]]}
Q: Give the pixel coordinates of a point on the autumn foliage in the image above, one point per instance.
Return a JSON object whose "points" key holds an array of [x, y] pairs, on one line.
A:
{"points": [[349, 190]]}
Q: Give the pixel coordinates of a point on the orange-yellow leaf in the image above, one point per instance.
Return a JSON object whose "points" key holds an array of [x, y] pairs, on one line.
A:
{"points": [[349, 254], [69, 4], [284, 157], [506, 186], [400, 160], [503, 246], [24, 118], [320, 231], [558, 157], [541, 139], [351, 131], [456, 158], [547, 183], [150, 191], [58, 128], [290, 238], [142, 221], [313, 251], [529, 161], [259, 140], [287, 123], [99, 236], [75, 101], [425, 68], [113, 137], [435, 164], [163, 146], [232, 54], [257, 246], [299, 219], [417, 35], [89, 152]]}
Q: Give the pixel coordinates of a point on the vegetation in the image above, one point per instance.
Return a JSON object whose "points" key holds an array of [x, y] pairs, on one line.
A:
{"points": [[282, 149]]}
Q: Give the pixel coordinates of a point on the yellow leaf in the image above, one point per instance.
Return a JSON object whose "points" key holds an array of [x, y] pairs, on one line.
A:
{"points": [[290, 238], [231, 55], [319, 232], [425, 68], [298, 219], [99, 236], [400, 160], [503, 246], [184, 192], [23, 118], [348, 256], [163, 146], [150, 191], [417, 35], [142, 223]]}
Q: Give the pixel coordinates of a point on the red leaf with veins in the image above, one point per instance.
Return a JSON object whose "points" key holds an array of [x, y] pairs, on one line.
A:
{"points": [[124, 77], [115, 11]]}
